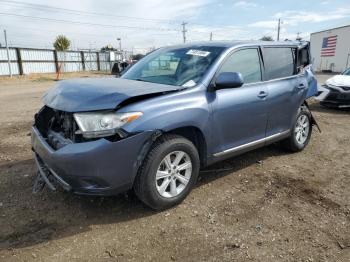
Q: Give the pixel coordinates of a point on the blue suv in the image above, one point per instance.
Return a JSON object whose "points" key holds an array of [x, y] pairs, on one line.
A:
{"points": [[177, 110]]}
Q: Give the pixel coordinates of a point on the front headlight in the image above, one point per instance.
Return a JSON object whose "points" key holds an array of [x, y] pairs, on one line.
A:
{"points": [[95, 124]]}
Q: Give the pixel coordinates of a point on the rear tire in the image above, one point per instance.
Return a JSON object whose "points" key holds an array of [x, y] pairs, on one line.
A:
{"points": [[301, 131], [168, 173]]}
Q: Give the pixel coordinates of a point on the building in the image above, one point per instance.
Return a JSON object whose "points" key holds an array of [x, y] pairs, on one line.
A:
{"points": [[330, 49]]}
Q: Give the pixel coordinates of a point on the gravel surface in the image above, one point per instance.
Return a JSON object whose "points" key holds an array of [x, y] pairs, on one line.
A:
{"points": [[266, 205]]}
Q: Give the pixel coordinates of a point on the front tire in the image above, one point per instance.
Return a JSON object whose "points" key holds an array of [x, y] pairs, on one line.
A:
{"points": [[168, 173], [301, 131]]}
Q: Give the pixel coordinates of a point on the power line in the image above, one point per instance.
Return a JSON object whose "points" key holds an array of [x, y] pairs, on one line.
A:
{"points": [[43, 31], [112, 16], [107, 35], [80, 12], [86, 23], [47, 36]]}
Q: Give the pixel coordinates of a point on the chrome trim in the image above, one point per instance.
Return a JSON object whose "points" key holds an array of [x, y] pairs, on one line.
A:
{"points": [[252, 144], [273, 80], [281, 78]]}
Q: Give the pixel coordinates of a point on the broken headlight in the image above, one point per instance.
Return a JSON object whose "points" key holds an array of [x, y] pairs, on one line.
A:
{"points": [[99, 124]]}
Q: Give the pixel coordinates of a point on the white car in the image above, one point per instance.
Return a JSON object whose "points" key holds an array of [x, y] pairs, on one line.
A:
{"points": [[336, 91]]}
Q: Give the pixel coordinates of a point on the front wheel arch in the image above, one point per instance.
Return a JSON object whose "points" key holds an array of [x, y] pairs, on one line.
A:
{"points": [[144, 185]]}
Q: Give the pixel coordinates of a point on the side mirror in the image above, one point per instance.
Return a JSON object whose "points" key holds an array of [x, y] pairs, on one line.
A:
{"points": [[229, 80]]}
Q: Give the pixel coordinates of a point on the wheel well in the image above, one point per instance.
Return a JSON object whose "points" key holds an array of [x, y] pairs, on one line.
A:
{"points": [[196, 136]]}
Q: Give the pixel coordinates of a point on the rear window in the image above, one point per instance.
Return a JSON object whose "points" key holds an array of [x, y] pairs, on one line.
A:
{"points": [[279, 62]]}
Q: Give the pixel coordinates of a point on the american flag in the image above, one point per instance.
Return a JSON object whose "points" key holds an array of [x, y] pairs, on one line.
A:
{"points": [[329, 46]]}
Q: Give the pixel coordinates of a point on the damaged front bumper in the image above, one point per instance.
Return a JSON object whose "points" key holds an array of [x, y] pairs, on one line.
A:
{"points": [[333, 96], [99, 167]]}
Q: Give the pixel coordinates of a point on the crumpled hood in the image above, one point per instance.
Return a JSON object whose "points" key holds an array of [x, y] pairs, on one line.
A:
{"points": [[88, 94], [339, 80]]}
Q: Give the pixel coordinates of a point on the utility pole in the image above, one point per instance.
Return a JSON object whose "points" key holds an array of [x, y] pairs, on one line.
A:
{"points": [[279, 29], [184, 31], [120, 48], [211, 36], [120, 43], [8, 54]]}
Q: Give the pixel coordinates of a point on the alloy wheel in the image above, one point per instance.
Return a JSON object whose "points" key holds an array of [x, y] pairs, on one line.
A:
{"points": [[302, 129], [173, 174]]}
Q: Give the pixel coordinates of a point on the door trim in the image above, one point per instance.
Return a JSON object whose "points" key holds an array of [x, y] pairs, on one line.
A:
{"points": [[253, 144]]}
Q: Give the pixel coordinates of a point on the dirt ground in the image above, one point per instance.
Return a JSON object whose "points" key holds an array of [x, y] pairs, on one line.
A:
{"points": [[267, 205]]}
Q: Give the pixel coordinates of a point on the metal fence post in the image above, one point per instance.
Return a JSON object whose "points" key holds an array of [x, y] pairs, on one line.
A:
{"points": [[98, 61], [19, 61], [8, 54], [82, 59]]}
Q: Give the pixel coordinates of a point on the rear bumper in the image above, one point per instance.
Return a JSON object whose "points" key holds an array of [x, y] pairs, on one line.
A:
{"points": [[99, 167]]}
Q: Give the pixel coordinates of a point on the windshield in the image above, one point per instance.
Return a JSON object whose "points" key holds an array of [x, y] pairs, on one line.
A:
{"points": [[347, 72], [175, 66]]}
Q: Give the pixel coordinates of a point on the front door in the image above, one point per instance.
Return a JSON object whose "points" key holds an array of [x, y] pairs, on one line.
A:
{"points": [[240, 114]]}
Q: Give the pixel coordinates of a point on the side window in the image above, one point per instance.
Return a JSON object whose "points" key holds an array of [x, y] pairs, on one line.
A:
{"points": [[279, 62], [246, 62]]}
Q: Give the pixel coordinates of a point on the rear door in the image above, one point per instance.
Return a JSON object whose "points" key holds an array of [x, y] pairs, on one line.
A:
{"points": [[240, 114], [285, 87], [304, 69]]}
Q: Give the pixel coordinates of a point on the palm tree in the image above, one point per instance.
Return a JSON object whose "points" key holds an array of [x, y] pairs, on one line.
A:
{"points": [[62, 43]]}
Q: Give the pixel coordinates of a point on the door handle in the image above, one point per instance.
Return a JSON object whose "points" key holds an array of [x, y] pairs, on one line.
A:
{"points": [[262, 94], [301, 86]]}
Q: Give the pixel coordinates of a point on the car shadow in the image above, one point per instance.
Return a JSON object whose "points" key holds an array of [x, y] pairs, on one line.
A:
{"points": [[316, 107], [28, 219]]}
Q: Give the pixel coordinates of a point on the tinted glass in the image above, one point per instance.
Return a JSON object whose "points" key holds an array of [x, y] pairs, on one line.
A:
{"points": [[246, 62], [347, 72], [175, 66], [279, 62], [303, 59]]}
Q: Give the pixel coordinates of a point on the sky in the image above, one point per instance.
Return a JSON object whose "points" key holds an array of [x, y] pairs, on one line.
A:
{"points": [[147, 24]]}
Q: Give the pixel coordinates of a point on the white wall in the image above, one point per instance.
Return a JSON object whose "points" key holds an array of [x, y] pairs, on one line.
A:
{"points": [[335, 63]]}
